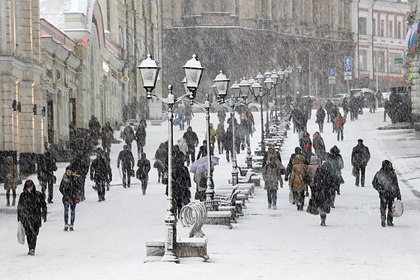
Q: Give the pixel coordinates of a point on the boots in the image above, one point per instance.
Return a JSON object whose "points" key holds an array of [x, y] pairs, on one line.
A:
{"points": [[14, 199], [383, 222], [8, 200], [323, 218], [389, 220]]}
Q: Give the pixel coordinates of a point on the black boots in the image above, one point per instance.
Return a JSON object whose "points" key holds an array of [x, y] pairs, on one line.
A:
{"points": [[323, 218], [8, 200]]}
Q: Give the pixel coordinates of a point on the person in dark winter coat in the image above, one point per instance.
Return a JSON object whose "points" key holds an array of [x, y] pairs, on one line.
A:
{"points": [[45, 173], [305, 140], [345, 105], [328, 107], [142, 173], [31, 210], [80, 165], [90, 145], [387, 109], [322, 190], [319, 146], [140, 139], [334, 168], [182, 184], [320, 117], [335, 155], [161, 163], [293, 116], [94, 127], [107, 137], [307, 153], [221, 114], [128, 135], [386, 183], [69, 188], [220, 131], [272, 175], [192, 141], [360, 157], [10, 180], [228, 143], [127, 160], [334, 113], [203, 150], [100, 173]]}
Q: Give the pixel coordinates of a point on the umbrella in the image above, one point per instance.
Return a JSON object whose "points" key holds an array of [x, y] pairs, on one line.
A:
{"points": [[200, 165]]}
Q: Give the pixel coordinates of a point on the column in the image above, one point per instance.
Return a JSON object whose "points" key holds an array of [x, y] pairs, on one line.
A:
{"points": [[26, 117], [8, 118]]}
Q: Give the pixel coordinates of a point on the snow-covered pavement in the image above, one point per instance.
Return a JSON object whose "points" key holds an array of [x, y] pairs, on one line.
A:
{"points": [[109, 237]]}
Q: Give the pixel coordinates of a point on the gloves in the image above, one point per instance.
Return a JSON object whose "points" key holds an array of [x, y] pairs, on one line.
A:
{"points": [[286, 178], [45, 219]]}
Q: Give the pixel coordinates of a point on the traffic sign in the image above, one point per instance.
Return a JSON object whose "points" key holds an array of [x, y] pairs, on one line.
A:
{"points": [[347, 65], [331, 74]]}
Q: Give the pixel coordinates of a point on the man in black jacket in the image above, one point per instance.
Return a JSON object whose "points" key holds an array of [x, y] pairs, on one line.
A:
{"points": [[127, 159], [100, 173], [360, 156], [386, 183], [192, 141], [46, 168], [80, 166], [142, 173], [203, 150]]}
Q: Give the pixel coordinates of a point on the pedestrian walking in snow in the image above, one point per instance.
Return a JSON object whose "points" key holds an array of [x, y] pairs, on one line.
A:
{"points": [[298, 151], [182, 184], [127, 163], [335, 155], [220, 131], [339, 126], [10, 180], [140, 139], [386, 183], [321, 192], [192, 140], [94, 127], [213, 135], [45, 173], [128, 135], [180, 113], [334, 113], [31, 210], [69, 188], [90, 145], [272, 176], [360, 157], [320, 117], [313, 166], [305, 140], [80, 165], [203, 150], [161, 163], [100, 173], [298, 180], [221, 114], [107, 137], [328, 107], [142, 172], [188, 114], [334, 169], [319, 146]]}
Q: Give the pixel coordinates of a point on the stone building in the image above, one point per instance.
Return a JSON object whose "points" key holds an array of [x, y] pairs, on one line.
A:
{"points": [[21, 98], [242, 38], [385, 23], [415, 84]]}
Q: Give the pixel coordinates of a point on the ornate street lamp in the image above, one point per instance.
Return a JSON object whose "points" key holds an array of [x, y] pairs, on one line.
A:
{"points": [[245, 86], [268, 83], [281, 77], [256, 89], [149, 72]]}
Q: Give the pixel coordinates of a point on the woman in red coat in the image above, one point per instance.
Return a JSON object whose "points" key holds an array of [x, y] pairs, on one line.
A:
{"points": [[339, 126]]}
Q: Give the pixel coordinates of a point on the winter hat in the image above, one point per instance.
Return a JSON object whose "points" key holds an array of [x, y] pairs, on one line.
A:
{"points": [[298, 150], [360, 141], [335, 150], [308, 147], [29, 184], [387, 165], [125, 147]]}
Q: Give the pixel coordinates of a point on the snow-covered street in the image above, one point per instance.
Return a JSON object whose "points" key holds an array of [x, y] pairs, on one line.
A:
{"points": [[109, 237]]}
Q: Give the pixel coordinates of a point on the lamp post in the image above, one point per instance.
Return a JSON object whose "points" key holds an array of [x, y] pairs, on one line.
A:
{"points": [[256, 90], [219, 87], [149, 72], [268, 83], [300, 77], [286, 75], [244, 87], [275, 79], [280, 74]]}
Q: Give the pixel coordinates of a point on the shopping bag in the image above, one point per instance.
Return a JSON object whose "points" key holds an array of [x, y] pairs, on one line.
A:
{"points": [[312, 208], [21, 233], [291, 196], [397, 208]]}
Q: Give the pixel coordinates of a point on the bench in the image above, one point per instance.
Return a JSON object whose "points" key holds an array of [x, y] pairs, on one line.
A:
{"points": [[219, 218], [247, 178]]}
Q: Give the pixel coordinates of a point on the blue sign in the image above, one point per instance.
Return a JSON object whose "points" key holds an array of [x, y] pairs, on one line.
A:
{"points": [[347, 64], [331, 73]]}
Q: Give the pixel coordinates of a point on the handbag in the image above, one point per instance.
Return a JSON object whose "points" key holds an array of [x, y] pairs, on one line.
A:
{"points": [[74, 198], [21, 233], [312, 209], [397, 208]]}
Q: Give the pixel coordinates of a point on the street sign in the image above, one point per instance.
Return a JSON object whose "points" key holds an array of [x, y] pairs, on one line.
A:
{"points": [[347, 65], [331, 81], [347, 77], [331, 74]]}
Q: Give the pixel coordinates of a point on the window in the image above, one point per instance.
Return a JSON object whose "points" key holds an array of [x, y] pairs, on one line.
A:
{"points": [[395, 67], [382, 28], [362, 26], [399, 30], [379, 61], [363, 60], [391, 28]]}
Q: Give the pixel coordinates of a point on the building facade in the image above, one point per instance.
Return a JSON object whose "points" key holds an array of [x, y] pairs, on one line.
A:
{"points": [[380, 31], [21, 121], [242, 38]]}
